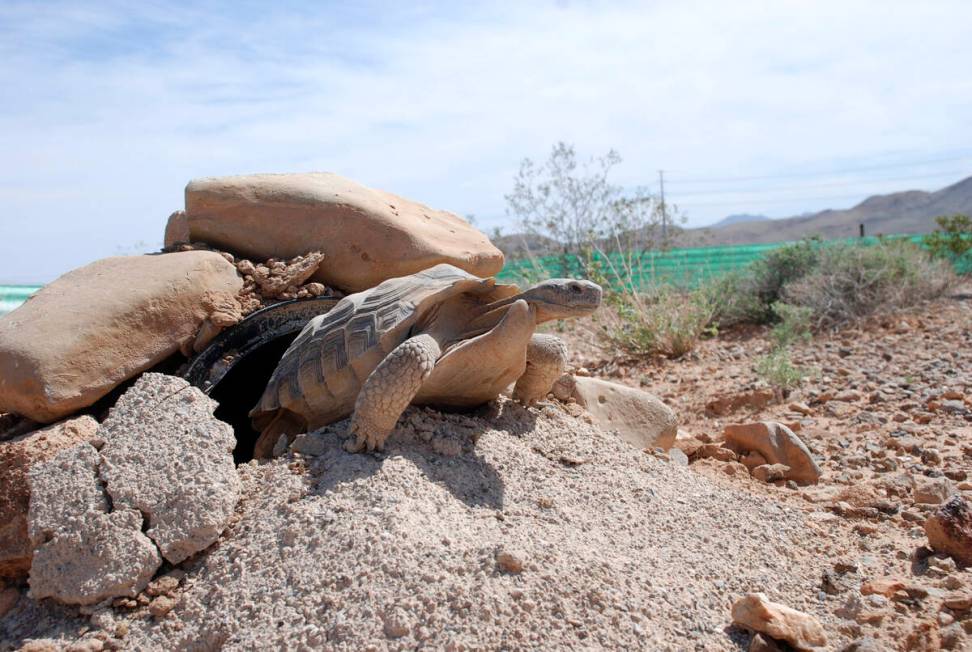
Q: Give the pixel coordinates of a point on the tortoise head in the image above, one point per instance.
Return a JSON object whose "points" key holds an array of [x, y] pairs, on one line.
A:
{"points": [[562, 298]]}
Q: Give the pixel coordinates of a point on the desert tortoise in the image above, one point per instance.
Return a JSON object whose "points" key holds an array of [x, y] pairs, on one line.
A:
{"points": [[439, 337]]}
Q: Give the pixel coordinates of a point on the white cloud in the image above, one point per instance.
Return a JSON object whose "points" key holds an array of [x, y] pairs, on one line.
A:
{"points": [[112, 109]]}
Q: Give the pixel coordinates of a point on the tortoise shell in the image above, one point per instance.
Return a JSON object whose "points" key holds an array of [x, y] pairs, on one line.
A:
{"points": [[319, 376]]}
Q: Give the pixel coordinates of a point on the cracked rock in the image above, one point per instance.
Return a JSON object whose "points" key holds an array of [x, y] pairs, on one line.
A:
{"points": [[165, 467], [184, 482], [17, 457], [83, 553]]}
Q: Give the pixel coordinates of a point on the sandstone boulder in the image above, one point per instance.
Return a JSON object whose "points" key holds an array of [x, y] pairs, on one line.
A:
{"points": [[95, 327], [640, 418], [17, 456], [949, 529], [366, 235], [778, 445], [755, 612], [184, 481], [162, 484], [83, 552]]}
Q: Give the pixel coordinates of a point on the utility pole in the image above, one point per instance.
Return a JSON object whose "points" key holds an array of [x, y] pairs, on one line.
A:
{"points": [[664, 211]]}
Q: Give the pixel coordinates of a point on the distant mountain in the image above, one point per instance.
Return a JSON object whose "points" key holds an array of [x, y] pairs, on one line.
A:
{"points": [[737, 218], [912, 211]]}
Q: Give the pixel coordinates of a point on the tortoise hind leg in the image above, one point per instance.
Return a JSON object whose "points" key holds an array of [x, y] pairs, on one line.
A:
{"points": [[284, 422], [388, 391], [546, 362]]}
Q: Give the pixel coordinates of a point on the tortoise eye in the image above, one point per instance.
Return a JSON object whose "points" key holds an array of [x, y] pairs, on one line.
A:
{"points": [[575, 288]]}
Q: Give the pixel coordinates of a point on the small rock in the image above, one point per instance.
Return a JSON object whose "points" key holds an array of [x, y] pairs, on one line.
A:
{"points": [[802, 408], [509, 562], [310, 444], [770, 472], [949, 529], [932, 491], [754, 611], [678, 457], [162, 605], [866, 644], [162, 586], [848, 396], [958, 601], [640, 418], [717, 452], [778, 445]]}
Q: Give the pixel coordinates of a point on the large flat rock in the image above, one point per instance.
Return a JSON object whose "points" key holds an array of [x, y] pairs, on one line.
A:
{"points": [[93, 328], [17, 456], [367, 235]]}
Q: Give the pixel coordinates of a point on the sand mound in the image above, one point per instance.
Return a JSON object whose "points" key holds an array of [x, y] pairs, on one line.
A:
{"points": [[517, 529]]}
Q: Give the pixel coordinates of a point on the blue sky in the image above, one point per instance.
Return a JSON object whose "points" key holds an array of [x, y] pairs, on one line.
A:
{"points": [[763, 107]]}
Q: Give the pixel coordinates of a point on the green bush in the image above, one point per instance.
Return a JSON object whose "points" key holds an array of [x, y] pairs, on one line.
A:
{"points": [[952, 240], [793, 324], [852, 281], [748, 296], [778, 370]]}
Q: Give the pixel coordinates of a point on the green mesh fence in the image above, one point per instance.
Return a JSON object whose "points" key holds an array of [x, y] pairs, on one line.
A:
{"points": [[12, 296], [684, 267]]}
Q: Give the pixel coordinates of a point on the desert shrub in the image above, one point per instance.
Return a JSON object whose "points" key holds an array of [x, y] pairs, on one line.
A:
{"points": [[952, 240], [747, 296], [792, 325], [777, 369], [662, 321], [853, 281]]}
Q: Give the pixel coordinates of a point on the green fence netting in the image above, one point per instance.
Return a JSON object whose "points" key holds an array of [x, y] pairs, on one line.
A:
{"points": [[684, 267], [12, 296]]}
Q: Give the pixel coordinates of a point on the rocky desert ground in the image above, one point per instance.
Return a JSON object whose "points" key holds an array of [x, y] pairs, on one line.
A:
{"points": [[531, 528]]}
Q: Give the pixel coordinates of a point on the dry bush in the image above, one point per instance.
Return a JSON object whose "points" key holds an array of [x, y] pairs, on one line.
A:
{"points": [[852, 281], [662, 321]]}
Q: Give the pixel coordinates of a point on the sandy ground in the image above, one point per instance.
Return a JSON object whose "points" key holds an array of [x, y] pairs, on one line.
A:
{"points": [[531, 529]]}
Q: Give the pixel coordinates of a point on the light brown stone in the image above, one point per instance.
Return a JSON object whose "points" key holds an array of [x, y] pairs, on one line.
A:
{"points": [[95, 327], [932, 491], [640, 418], [778, 445], [17, 456], [366, 235], [755, 612]]}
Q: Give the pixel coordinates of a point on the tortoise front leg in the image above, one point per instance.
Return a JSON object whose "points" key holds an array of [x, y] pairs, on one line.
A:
{"points": [[388, 391], [546, 362]]}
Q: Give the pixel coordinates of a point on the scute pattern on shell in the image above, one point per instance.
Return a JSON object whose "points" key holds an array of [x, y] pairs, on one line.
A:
{"points": [[371, 323]]}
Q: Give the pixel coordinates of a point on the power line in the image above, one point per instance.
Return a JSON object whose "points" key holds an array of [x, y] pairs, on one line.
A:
{"points": [[841, 184], [828, 173]]}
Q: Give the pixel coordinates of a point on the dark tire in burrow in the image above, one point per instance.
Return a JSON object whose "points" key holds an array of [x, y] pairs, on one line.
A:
{"points": [[236, 366]]}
